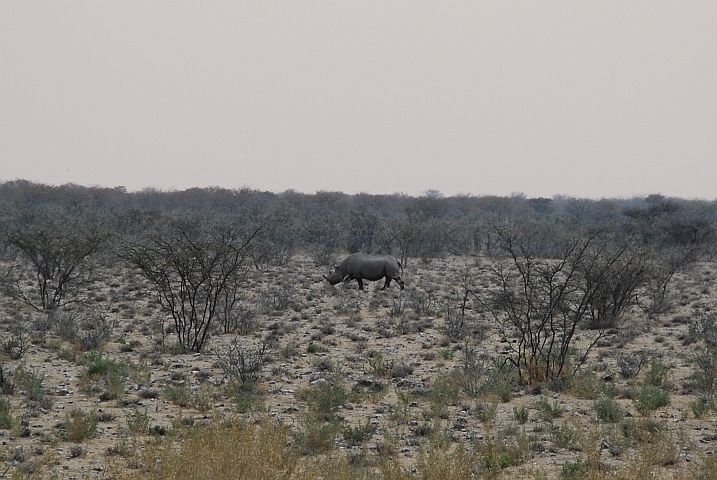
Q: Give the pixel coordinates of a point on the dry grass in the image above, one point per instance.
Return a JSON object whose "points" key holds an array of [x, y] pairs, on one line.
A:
{"points": [[220, 451], [262, 450]]}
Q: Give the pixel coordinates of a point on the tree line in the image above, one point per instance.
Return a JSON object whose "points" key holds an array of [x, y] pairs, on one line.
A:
{"points": [[326, 225]]}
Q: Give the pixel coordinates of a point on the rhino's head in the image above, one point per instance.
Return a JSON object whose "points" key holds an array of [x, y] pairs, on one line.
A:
{"points": [[335, 277]]}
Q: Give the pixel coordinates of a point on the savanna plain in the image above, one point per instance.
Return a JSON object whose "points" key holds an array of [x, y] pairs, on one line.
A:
{"points": [[193, 335]]}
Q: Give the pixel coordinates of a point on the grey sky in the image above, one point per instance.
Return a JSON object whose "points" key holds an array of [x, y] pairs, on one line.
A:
{"points": [[588, 99]]}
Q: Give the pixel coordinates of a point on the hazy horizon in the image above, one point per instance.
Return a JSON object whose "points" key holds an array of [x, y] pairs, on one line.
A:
{"points": [[429, 192], [588, 100]]}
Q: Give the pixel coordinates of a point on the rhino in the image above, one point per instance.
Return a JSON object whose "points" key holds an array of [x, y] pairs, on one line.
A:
{"points": [[360, 267]]}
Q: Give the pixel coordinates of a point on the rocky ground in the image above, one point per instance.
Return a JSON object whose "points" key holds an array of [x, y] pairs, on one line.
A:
{"points": [[392, 351]]}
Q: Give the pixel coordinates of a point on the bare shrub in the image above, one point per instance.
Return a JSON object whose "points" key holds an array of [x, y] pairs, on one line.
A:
{"points": [[379, 365], [665, 264], [398, 304], [422, 303], [193, 265], [241, 319], [276, 298], [6, 385], [704, 327], [242, 363], [66, 323], [457, 325], [56, 261], [401, 371], [704, 375], [16, 342], [630, 364], [472, 370], [544, 301], [97, 327], [41, 322], [615, 280], [349, 301]]}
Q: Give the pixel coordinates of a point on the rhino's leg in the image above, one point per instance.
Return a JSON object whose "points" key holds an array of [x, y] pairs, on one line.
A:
{"points": [[360, 282], [387, 284]]}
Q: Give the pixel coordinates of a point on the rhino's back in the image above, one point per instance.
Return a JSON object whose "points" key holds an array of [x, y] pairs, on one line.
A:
{"points": [[370, 267]]}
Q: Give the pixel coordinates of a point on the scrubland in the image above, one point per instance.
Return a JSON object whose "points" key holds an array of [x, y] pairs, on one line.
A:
{"points": [[331, 382], [154, 342]]}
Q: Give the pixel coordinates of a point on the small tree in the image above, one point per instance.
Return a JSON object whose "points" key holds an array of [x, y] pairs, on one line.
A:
{"points": [[194, 269], [240, 362], [323, 238], [544, 301], [615, 273], [665, 263], [56, 262], [363, 226], [279, 239]]}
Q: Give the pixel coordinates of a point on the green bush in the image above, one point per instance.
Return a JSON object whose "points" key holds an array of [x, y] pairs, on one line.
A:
{"points": [[574, 470], [586, 385], [444, 393], [315, 436], [446, 354], [497, 461], [96, 365], [486, 412], [104, 376], [356, 436], [138, 421], [656, 375], [324, 398], [650, 397], [247, 397], [549, 411], [6, 421], [79, 426], [31, 382], [608, 410], [702, 406], [564, 436], [115, 383], [500, 381], [178, 395], [504, 460], [520, 414]]}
